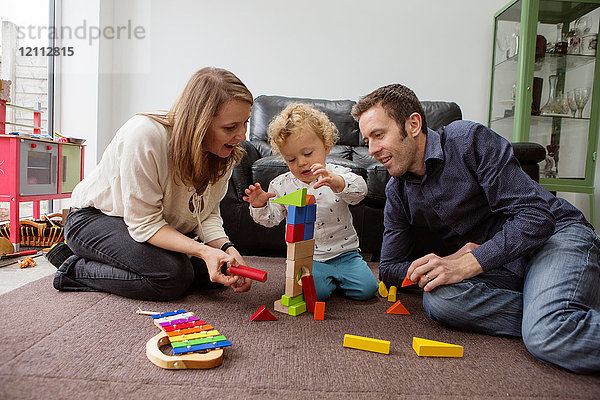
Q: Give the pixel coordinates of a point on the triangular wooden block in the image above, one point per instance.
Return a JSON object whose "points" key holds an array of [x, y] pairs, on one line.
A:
{"points": [[407, 282], [310, 199], [398, 308], [297, 198], [431, 348], [263, 314]]}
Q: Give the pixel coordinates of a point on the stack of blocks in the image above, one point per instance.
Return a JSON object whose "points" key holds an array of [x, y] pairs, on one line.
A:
{"points": [[300, 295]]}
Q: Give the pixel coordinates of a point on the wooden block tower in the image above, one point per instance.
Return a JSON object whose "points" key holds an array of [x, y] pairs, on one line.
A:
{"points": [[301, 217]]}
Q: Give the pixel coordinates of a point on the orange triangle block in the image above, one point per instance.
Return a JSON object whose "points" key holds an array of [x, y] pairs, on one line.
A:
{"points": [[407, 282], [398, 308], [263, 314]]}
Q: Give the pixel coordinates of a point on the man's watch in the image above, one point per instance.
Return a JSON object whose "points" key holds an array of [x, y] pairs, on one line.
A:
{"points": [[227, 245]]}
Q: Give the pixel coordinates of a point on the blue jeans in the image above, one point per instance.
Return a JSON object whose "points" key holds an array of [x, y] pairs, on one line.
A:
{"points": [[348, 272], [107, 259], [556, 312]]}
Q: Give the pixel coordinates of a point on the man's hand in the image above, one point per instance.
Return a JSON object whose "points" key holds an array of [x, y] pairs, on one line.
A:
{"points": [[334, 181], [432, 271], [467, 248], [257, 197]]}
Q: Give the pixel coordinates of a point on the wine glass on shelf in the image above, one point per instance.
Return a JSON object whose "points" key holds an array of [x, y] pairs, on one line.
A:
{"points": [[571, 101], [583, 25], [582, 95]]}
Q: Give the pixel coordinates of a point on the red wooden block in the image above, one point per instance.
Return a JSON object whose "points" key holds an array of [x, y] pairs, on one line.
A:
{"points": [[310, 294], [294, 233], [407, 282], [398, 308], [263, 314], [319, 311], [310, 199]]}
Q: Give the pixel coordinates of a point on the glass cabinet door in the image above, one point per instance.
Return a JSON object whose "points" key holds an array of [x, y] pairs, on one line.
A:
{"points": [[566, 73], [545, 86], [504, 71]]}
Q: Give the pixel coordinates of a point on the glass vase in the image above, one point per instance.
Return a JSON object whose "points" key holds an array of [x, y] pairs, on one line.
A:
{"points": [[552, 106]]}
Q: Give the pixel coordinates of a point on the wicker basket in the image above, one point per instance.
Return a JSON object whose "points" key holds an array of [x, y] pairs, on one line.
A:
{"points": [[41, 233]]}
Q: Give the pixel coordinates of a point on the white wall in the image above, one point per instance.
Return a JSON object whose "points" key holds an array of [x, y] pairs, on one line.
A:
{"points": [[77, 82], [330, 49]]}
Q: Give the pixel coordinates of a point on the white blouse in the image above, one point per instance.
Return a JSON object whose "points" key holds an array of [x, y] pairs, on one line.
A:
{"points": [[334, 232], [134, 180]]}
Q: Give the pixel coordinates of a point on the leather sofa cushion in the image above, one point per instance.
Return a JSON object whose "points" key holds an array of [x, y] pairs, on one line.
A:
{"points": [[265, 108]]}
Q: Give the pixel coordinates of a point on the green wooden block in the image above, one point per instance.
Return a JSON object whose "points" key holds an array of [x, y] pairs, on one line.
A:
{"points": [[297, 309], [290, 301], [194, 342], [297, 198]]}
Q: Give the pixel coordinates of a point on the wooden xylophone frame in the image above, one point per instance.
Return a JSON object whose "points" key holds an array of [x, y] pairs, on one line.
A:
{"points": [[210, 359]]}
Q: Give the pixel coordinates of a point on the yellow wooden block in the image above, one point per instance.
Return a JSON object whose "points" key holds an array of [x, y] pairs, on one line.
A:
{"points": [[392, 294], [368, 344], [431, 348], [298, 268], [298, 250], [197, 335], [383, 292]]}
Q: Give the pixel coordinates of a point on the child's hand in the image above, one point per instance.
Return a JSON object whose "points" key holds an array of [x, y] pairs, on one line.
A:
{"points": [[257, 197], [334, 181]]}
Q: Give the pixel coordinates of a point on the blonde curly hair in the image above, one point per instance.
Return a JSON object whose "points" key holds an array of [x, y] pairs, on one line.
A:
{"points": [[294, 118]]}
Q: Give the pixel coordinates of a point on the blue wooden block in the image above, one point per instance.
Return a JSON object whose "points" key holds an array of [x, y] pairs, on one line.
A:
{"points": [[296, 215], [168, 314], [311, 213], [309, 231], [201, 347]]}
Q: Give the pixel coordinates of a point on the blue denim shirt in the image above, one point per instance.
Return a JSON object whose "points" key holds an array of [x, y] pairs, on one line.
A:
{"points": [[473, 190]]}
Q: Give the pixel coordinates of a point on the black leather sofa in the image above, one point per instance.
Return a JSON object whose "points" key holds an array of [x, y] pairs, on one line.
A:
{"points": [[260, 165]]}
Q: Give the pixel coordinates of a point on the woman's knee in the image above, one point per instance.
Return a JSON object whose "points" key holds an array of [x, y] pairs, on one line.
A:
{"points": [[173, 278]]}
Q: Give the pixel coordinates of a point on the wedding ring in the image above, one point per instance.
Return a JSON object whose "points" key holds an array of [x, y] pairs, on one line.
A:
{"points": [[428, 278]]}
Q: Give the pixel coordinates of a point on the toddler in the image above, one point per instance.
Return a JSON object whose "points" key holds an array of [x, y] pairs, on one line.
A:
{"points": [[304, 136]]}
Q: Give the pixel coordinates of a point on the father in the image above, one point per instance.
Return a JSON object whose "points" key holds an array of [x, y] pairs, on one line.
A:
{"points": [[512, 259]]}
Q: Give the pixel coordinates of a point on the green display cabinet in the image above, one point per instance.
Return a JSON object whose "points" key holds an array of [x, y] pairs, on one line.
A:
{"points": [[544, 65]]}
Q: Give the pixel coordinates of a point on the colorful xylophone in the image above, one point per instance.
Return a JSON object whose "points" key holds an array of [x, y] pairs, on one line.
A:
{"points": [[196, 345]]}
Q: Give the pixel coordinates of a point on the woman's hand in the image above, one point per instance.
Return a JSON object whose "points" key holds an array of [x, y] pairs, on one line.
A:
{"points": [[241, 284], [334, 181], [214, 259], [257, 197]]}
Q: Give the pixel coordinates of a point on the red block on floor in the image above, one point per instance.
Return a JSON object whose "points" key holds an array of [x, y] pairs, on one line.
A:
{"points": [[319, 311], [263, 314], [310, 294], [398, 308]]}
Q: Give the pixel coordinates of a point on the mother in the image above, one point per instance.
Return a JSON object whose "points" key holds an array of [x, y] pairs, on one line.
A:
{"points": [[153, 200]]}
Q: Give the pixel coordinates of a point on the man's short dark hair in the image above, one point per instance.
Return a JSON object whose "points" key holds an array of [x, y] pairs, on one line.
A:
{"points": [[398, 101]]}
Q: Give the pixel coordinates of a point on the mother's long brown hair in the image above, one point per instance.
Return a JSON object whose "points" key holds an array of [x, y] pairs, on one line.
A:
{"points": [[190, 116]]}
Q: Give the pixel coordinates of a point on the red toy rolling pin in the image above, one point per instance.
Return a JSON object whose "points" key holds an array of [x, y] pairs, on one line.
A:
{"points": [[246, 272]]}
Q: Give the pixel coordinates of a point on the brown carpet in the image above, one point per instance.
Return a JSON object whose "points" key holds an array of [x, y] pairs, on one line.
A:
{"points": [[92, 346]]}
